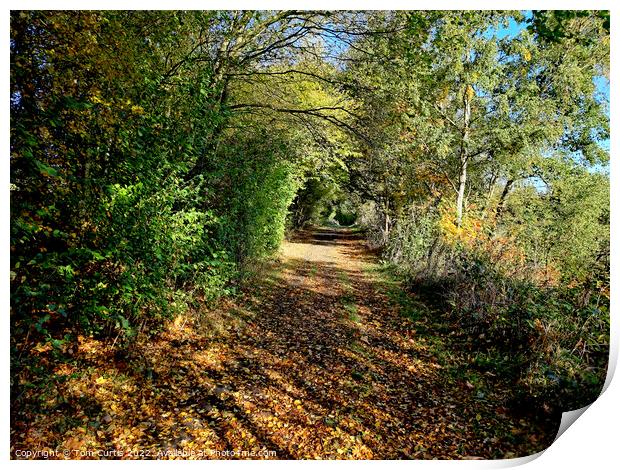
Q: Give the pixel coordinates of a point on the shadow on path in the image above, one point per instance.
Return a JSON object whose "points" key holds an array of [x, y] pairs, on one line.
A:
{"points": [[313, 361]]}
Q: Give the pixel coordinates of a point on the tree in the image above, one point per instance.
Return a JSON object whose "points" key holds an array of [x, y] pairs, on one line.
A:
{"points": [[460, 96]]}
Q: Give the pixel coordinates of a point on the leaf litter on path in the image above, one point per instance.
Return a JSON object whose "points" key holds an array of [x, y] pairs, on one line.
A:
{"points": [[313, 360]]}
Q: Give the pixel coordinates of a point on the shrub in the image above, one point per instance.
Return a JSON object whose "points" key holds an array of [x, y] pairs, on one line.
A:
{"points": [[557, 335], [259, 188], [559, 342]]}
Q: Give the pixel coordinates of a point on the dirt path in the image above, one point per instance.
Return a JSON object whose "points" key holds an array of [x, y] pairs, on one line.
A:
{"points": [[315, 360], [370, 382]]}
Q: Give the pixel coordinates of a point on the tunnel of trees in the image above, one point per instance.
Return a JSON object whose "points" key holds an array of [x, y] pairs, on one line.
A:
{"points": [[157, 156]]}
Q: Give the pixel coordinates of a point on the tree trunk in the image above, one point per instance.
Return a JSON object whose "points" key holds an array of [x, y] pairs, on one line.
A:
{"points": [[502, 199], [461, 193], [463, 157], [386, 225]]}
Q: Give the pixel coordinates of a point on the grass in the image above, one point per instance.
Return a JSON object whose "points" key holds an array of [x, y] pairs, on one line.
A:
{"points": [[354, 317], [348, 297], [390, 282]]}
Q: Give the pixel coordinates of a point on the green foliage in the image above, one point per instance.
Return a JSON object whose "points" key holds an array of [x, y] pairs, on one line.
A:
{"points": [[345, 214], [262, 187], [111, 226], [310, 204], [566, 226], [570, 343], [323, 199], [414, 245], [555, 329], [156, 155], [554, 25]]}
